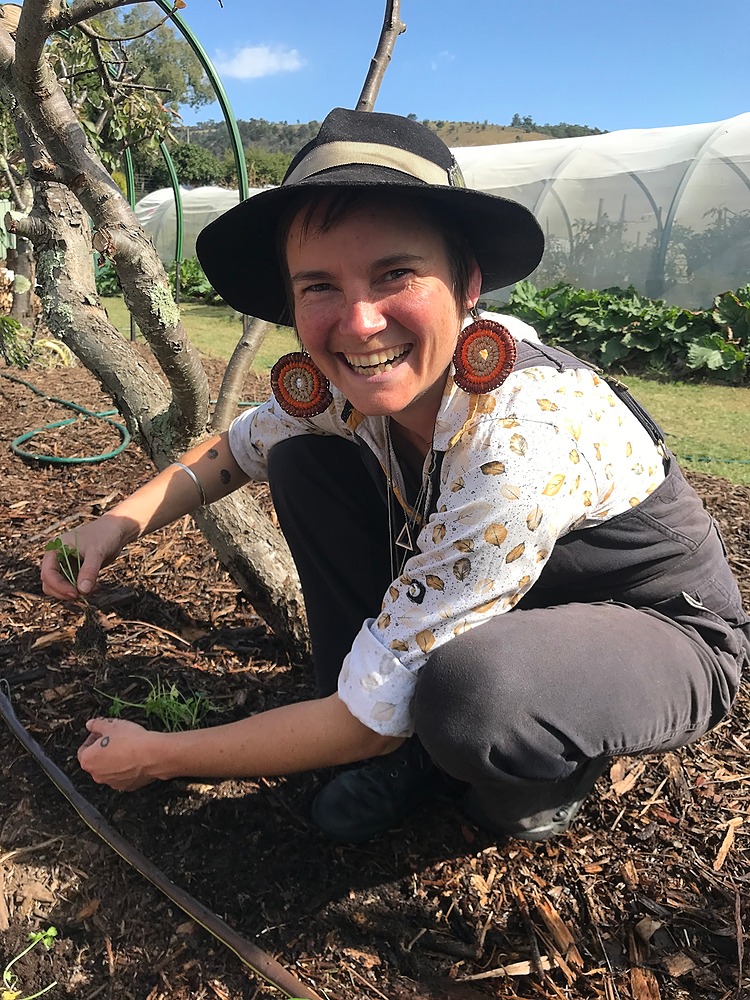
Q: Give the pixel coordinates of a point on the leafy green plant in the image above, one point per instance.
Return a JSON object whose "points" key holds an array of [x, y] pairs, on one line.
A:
{"points": [[165, 702], [10, 980], [107, 282], [623, 329], [14, 344], [68, 557], [193, 282]]}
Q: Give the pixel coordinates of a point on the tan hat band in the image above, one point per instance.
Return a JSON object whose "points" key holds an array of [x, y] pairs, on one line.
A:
{"points": [[342, 154]]}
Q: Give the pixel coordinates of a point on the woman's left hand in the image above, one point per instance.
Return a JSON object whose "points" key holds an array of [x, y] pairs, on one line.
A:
{"points": [[119, 753]]}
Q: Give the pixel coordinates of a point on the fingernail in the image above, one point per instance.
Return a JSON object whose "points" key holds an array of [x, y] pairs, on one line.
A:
{"points": [[84, 586]]}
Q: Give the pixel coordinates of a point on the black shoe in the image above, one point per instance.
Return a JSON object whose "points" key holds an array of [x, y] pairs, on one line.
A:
{"points": [[365, 801], [543, 811]]}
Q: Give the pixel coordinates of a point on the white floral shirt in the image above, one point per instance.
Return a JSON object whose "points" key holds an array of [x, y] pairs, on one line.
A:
{"points": [[546, 453]]}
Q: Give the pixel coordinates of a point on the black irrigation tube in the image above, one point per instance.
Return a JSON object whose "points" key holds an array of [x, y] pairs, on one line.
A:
{"points": [[258, 961]]}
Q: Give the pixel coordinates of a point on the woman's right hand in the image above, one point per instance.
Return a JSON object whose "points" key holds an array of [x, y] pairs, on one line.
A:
{"points": [[97, 543]]}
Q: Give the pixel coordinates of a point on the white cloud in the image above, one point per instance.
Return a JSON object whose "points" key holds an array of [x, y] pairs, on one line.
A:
{"points": [[442, 57], [255, 61]]}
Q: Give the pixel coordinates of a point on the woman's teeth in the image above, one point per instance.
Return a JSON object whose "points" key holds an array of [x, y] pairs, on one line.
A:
{"points": [[370, 364]]}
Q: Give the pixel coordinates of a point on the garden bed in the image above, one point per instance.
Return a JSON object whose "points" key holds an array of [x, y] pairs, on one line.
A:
{"points": [[651, 884]]}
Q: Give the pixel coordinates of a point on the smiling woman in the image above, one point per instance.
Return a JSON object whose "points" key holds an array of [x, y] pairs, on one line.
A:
{"points": [[484, 527]]}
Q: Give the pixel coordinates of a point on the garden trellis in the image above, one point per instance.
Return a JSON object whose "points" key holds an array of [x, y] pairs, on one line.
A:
{"points": [[666, 210]]}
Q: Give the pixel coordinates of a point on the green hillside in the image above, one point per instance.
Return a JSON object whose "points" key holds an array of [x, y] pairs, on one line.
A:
{"points": [[285, 138]]}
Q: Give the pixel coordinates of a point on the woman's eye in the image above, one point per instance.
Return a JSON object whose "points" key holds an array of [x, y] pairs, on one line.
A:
{"points": [[397, 272], [320, 286]]}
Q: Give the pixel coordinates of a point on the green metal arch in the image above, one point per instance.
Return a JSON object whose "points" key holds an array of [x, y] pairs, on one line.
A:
{"points": [[221, 95]]}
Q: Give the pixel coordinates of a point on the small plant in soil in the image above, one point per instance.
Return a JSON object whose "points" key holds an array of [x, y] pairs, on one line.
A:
{"points": [[10, 980], [174, 710], [90, 637], [68, 558]]}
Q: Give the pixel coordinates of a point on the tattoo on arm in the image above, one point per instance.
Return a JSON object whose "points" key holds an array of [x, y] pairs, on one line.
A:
{"points": [[225, 476], [104, 741], [212, 453]]}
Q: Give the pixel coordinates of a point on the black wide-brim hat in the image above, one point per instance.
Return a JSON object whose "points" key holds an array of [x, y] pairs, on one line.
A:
{"points": [[369, 151]]}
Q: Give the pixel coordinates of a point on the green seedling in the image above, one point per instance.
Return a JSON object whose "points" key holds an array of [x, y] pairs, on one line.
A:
{"points": [[68, 557], [175, 711], [9, 991]]}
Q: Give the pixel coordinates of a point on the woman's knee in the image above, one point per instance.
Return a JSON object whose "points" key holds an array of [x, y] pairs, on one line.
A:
{"points": [[472, 714]]}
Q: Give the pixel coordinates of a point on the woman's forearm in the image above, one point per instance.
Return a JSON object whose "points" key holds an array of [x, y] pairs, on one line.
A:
{"points": [[174, 492], [283, 740]]}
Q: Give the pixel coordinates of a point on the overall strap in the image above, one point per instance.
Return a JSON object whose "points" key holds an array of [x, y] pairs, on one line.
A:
{"points": [[536, 355]]}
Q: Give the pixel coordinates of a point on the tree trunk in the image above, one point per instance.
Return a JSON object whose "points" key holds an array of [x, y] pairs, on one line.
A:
{"points": [[72, 187]]}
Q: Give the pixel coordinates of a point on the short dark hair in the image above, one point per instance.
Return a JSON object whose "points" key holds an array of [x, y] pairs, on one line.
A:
{"points": [[337, 205]]}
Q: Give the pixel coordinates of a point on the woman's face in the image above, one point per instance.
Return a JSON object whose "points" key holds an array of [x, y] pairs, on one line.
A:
{"points": [[374, 308]]}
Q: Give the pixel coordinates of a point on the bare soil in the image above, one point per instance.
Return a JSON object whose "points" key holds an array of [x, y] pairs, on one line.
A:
{"points": [[644, 898]]}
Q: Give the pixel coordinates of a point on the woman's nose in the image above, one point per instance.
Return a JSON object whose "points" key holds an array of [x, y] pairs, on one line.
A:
{"points": [[363, 318]]}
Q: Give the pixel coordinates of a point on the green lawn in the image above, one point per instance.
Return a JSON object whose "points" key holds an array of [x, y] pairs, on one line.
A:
{"points": [[214, 330], [707, 426]]}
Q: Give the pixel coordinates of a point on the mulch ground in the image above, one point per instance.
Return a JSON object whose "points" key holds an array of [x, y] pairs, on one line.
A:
{"points": [[644, 898]]}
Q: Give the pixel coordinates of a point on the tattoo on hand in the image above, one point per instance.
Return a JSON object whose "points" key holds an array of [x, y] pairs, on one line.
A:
{"points": [[212, 453], [225, 476], [104, 741]]}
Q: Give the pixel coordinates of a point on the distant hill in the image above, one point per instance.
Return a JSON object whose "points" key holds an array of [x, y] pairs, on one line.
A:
{"points": [[281, 137]]}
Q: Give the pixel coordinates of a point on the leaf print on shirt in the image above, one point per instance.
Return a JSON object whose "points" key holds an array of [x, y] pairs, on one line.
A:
{"points": [[384, 621], [484, 586], [394, 592], [434, 582], [483, 609], [495, 534], [518, 444], [553, 486], [492, 468], [575, 457], [425, 640], [534, 518], [461, 569], [464, 545], [438, 533], [457, 484], [548, 405], [516, 552], [399, 646], [382, 711], [510, 491]]}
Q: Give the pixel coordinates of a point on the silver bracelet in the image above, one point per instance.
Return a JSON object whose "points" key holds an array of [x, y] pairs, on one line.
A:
{"points": [[195, 479]]}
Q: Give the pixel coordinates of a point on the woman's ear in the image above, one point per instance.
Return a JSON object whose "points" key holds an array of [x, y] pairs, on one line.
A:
{"points": [[475, 286]]}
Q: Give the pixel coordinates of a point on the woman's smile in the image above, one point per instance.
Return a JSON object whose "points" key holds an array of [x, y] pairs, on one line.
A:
{"points": [[377, 361]]}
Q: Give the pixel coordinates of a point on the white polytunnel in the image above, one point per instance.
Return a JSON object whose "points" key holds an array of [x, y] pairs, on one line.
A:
{"points": [[666, 210], [201, 205]]}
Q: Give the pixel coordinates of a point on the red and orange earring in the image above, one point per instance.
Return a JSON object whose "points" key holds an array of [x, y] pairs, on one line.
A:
{"points": [[299, 386], [484, 357]]}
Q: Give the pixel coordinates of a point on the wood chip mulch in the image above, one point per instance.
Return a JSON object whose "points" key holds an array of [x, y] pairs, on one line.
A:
{"points": [[645, 898]]}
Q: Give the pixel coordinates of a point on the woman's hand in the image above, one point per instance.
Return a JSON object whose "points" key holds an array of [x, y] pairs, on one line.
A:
{"points": [[97, 543], [120, 754]]}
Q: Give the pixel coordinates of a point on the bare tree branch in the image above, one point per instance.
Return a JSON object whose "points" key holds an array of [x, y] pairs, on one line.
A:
{"points": [[393, 26], [253, 332], [68, 17]]}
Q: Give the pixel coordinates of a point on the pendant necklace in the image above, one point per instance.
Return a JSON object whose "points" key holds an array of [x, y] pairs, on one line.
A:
{"points": [[406, 540]]}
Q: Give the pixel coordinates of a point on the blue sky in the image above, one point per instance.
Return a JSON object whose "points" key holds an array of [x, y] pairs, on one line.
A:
{"points": [[612, 65]]}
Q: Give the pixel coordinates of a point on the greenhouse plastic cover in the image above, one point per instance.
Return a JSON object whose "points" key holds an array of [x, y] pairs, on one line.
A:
{"points": [[156, 213], [666, 210]]}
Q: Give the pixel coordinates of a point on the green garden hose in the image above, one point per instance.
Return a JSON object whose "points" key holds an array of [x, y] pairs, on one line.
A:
{"points": [[104, 415]]}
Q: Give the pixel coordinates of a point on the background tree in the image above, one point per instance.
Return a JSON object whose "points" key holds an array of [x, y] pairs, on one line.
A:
{"points": [[194, 165], [72, 186]]}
